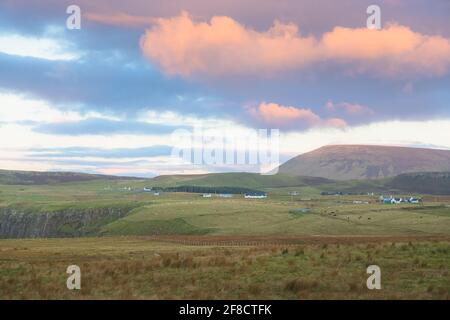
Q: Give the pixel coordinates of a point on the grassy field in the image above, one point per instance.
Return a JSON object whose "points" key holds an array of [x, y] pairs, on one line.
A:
{"points": [[141, 268], [187, 213], [183, 246], [75, 194], [327, 216]]}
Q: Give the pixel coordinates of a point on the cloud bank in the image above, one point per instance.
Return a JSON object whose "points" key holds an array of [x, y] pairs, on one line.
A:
{"points": [[182, 46]]}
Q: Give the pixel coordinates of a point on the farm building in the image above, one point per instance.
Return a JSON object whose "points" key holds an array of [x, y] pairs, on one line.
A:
{"points": [[360, 202], [255, 195], [392, 200], [331, 193], [414, 200], [206, 195], [225, 195]]}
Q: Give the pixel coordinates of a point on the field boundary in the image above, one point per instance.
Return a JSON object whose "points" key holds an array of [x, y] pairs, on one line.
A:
{"points": [[244, 241]]}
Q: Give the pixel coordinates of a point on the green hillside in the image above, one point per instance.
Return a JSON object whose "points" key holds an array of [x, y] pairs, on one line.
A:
{"points": [[424, 182], [238, 179], [41, 178], [274, 216], [103, 208]]}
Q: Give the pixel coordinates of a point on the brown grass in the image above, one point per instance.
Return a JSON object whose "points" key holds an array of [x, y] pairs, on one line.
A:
{"points": [[136, 268]]}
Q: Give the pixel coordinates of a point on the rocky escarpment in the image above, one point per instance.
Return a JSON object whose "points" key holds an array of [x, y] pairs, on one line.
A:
{"points": [[20, 223]]}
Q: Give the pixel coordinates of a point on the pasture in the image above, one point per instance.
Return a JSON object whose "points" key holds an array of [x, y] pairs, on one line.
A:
{"points": [[144, 268], [183, 246], [189, 213]]}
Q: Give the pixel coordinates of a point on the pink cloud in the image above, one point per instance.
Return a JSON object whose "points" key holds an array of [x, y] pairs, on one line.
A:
{"points": [[182, 46], [393, 51], [288, 117]]}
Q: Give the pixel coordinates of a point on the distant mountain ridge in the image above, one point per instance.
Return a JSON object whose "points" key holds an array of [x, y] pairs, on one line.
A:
{"points": [[346, 162], [40, 178], [437, 183]]}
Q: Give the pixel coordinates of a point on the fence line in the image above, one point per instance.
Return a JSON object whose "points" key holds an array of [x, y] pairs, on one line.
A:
{"points": [[226, 243]]}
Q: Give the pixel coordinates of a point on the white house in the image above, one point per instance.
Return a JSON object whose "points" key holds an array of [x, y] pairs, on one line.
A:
{"points": [[414, 200], [390, 200], [225, 195], [255, 195], [360, 202]]}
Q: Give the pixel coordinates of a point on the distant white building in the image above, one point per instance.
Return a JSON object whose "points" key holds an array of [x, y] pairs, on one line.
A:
{"points": [[255, 195], [207, 195], [360, 202], [225, 195], [147, 189], [414, 200]]}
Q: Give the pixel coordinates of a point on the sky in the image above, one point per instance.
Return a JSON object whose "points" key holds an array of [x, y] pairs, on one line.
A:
{"points": [[142, 83]]}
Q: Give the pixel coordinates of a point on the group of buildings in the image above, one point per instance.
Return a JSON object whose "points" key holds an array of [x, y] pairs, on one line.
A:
{"points": [[249, 195], [393, 200], [263, 195], [155, 192]]}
